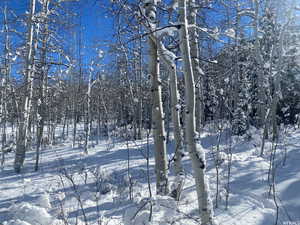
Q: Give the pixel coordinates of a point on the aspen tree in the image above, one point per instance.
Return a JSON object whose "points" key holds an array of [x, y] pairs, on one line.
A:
{"points": [[42, 79], [88, 119], [198, 72], [161, 167], [24, 122], [261, 107], [169, 59], [5, 73], [197, 155]]}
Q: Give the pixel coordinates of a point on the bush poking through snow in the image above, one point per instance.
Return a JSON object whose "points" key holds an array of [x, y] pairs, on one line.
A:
{"points": [[158, 211]]}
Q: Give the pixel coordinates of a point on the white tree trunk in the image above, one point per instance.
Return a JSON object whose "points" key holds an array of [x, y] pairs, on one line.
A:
{"points": [[24, 122], [87, 126], [197, 71], [197, 155], [4, 86], [161, 168], [261, 106], [161, 165], [165, 54], [140, 100], [42, 81]]}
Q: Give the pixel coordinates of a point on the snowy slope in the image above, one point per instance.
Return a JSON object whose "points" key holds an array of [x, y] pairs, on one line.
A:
{"points": [[73, 188]]}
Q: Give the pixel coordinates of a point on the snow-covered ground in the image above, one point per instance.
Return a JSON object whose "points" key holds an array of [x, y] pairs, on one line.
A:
{"points": [[73, 188]]}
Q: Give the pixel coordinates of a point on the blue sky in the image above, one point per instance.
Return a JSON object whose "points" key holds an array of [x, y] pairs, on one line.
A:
{"points": [[97, 27]]}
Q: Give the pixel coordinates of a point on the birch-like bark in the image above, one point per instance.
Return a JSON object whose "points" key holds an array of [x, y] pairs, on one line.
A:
{"points": [[4, 85], [197, 71], [75, 118], [261, 108], [76, 89], [161, 166], [165, 54], [236, 77], [87, 126], [98, 119], [24, 122], [140, 100], [197, 155], [169, 58], [42, 82]]}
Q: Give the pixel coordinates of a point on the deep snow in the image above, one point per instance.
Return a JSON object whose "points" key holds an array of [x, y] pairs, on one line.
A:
{"points": [[102, 183]]}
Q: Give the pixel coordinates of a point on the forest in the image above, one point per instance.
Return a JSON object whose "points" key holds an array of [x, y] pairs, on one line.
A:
{"points": [[156, 112]]}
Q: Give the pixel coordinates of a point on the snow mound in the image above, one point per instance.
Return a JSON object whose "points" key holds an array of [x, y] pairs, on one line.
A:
{"points": [[16, 222], [28, 214], [44, 201]]}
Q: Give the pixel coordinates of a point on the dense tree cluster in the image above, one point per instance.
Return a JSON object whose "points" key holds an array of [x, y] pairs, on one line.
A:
{"points": [[183, 63]]}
